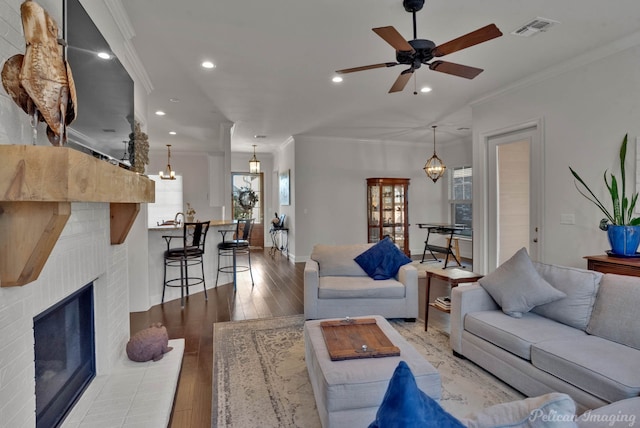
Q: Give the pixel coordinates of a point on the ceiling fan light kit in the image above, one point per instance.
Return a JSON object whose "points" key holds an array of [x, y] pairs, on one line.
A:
{"points": [[418, 52]]}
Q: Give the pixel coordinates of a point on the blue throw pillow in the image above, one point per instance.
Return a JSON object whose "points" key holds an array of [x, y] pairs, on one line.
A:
{"points": [[383, 260], [406, 406]]}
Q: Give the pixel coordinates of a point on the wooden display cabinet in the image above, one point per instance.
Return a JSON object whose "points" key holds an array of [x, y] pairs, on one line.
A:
{"points": [[388, 211]]}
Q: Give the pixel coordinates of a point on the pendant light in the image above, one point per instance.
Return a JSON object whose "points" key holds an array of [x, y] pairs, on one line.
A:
{"points": [[434, 167], [254, 163], [169, 174]]}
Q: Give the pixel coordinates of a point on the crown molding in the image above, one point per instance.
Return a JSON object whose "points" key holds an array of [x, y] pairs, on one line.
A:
{"points": [[138, 68], [121, 18]]}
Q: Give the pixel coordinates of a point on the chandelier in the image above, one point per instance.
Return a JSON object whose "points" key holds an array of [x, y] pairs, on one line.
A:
{"points": [[169, 174], [434, 167], [254, 163]]}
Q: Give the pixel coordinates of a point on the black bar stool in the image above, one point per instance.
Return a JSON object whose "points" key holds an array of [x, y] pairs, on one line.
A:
{"points": [[191, 253], [239, 245]]}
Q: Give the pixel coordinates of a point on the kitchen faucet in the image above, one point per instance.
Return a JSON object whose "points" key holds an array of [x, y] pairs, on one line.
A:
{"points": [[175, 219]]}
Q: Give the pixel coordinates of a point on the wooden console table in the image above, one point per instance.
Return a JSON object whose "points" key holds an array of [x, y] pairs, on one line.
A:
{"points": [[619, 265], [453, 277]]}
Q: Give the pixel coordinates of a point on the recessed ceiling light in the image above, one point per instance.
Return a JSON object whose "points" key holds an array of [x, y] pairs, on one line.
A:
{"points": [[172, 132], [104, 55], [336, 79], [258, 137], [174, 100], [425, 89], [208, 64], [160, 113]]}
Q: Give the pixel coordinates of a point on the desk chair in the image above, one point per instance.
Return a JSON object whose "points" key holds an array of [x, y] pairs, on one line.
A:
{"points": [[191, 253], [239, 245]]}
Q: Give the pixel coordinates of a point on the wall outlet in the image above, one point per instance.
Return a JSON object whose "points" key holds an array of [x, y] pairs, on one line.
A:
{"points": [[567, 219]]}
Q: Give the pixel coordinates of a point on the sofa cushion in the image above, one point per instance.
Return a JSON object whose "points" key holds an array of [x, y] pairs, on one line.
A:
{"points": [[621, 414], [405, 406], [606, 369], [345, 287], [519, 334], [517, 286], [553, 410], [337, 260], [580, 286], [615, 315], [383, 260]]}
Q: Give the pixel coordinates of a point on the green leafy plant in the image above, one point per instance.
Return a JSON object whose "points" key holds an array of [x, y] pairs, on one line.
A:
{"points": [[622, 206]]}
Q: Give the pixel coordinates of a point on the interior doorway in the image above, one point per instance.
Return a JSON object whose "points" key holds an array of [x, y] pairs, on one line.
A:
{"points": [[248, 202], [514, 194]]}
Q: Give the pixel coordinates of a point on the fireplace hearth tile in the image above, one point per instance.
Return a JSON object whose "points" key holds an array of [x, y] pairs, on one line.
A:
{"points": [[132, 393]]}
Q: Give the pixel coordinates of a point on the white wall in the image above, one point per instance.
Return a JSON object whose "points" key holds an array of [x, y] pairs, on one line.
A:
{"points": [[329, 187], [586, 112]]}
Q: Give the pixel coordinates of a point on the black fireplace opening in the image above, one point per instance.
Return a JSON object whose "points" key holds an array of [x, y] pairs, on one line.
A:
{"points": [[64, 356]]}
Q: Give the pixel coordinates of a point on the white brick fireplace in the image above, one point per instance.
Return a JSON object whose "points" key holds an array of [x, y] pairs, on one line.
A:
{"points": [[82, 254]]}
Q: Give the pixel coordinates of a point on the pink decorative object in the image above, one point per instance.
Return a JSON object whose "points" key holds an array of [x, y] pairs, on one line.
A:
{"points": [[149, 344]]}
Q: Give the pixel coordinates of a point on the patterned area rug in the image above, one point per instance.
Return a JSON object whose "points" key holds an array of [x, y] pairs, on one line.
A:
{"points": [[260, 377]]}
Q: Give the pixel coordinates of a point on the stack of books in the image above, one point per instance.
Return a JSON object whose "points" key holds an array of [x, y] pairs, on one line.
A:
{"points": [[443, 303]]}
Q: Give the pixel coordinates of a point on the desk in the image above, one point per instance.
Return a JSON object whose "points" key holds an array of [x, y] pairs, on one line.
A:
{"points": [[453, 277], [609, 264], [441, 229], [279, 242]]}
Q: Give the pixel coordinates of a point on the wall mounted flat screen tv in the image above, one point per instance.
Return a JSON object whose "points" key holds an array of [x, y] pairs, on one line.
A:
{"points": [[104, 89]]}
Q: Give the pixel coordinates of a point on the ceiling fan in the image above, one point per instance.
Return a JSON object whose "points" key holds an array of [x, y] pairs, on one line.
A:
{"points": [[420, 51]]}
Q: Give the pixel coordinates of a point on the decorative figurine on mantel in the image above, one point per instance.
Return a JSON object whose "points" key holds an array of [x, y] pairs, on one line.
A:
{"points": [[139, 156], [40, 81]]}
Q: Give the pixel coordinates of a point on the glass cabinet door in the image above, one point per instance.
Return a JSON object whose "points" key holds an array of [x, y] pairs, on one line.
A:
{"points": [[373, 204], [387, 210]]}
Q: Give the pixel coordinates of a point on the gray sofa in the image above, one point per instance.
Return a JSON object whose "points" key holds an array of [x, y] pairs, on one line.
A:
{"points": [[586, 344], [335, 286]]}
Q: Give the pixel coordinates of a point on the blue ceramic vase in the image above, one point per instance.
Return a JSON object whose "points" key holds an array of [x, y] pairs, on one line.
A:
{"points": [[624, 240]]}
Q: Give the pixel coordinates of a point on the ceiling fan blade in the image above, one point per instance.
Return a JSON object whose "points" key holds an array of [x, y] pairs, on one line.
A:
{"points": [[366, 67], [455, 69], [473, 38], [395, 39], [402, 80]]}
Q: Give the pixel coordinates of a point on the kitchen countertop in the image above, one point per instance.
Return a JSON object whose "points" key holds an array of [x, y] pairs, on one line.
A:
{"points": [[212, 223]]}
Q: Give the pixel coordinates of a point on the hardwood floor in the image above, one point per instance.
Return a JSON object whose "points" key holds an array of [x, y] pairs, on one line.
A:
{"points": [[278, 291]]}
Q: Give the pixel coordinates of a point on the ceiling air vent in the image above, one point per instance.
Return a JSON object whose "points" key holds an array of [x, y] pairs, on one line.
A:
{"points": [[534, 27]]}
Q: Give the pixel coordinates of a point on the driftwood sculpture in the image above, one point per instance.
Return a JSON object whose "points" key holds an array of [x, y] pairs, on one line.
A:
{"points": [[40, 81]]}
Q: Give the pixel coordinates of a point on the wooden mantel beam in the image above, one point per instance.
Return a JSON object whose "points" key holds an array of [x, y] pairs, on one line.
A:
{"points": [[37, 186]]}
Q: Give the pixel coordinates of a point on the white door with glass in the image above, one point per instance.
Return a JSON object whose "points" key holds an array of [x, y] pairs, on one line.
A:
{"points": [[514, 194]]}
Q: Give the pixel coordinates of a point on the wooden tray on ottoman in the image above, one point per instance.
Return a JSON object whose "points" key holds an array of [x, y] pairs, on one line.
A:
{"points": [[349, 338]]}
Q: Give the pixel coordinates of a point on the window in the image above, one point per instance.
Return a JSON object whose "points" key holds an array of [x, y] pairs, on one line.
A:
{"points": [[460, 197], [168, 201]]}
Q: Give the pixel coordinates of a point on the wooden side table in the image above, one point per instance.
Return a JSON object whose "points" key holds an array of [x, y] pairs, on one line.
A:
{"points": [[453, 277], [610, 264]]}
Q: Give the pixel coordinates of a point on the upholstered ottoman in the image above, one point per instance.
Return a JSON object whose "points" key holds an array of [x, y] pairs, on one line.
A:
{"points": [[349, 392]]}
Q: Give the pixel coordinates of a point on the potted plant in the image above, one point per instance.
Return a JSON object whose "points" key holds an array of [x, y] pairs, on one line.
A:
{"points": [[623, 230]]}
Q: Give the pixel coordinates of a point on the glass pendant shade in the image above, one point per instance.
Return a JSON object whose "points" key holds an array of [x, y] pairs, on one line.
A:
{"points": [[254, 163], [168, 174], [434, 168]]}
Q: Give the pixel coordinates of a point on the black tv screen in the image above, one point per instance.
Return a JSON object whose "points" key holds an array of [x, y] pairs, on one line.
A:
{"points": [[105, 114]]}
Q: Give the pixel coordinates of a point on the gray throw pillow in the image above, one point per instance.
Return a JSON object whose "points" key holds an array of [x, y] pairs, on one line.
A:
{"points": [[517, 286], [580, 286], [615, 315], [553, 410]]}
